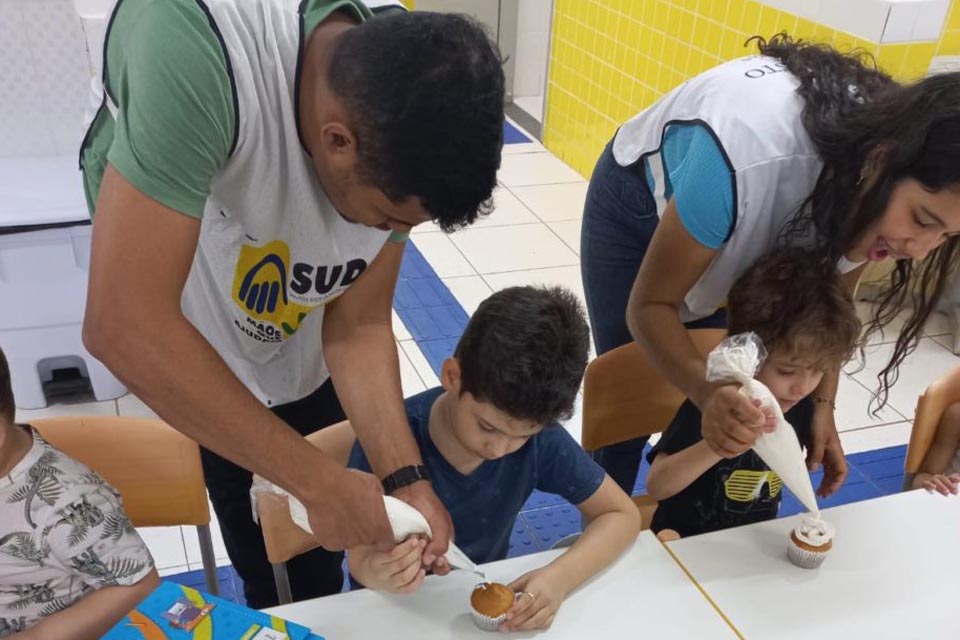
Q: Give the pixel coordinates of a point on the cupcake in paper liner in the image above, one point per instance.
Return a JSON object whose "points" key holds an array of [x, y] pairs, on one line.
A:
{"points": [[810, 542], [489, 604]]}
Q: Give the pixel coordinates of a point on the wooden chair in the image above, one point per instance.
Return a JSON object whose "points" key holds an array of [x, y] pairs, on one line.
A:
{"points": [[931, 405], [625, 397], [155, 468], [282, 537]]}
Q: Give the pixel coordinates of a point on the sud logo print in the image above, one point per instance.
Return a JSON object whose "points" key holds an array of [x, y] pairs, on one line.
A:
{"points": [[276, 303]]}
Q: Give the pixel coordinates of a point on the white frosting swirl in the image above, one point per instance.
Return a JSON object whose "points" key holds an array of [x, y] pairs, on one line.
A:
{"points": [[814, 531]]}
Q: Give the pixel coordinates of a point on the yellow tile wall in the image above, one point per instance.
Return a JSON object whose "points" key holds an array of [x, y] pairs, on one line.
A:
{"points": [[610, 59], [949, 44]]}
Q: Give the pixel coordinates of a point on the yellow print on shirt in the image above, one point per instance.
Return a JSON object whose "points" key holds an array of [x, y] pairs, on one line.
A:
{"points": [[744, 485], [277, 293]]}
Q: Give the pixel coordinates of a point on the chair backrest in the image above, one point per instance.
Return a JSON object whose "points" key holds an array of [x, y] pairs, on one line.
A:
{"points": [[943, 392], [625, 396], [281, 535], [155, 468]]}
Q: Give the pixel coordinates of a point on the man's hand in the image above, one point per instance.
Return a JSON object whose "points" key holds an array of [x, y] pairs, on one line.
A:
{"points": [[352, 515], [420, 495]]}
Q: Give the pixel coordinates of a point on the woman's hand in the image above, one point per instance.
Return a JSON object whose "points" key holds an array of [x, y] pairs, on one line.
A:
{"points": [[825, 449], [732, 422], [538, 598]]}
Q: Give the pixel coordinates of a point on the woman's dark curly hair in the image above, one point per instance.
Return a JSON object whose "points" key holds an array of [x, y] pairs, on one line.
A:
{"points": [[858, 117]]}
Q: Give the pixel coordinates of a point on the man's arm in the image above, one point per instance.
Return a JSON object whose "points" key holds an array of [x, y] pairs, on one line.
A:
{"points": [[361, 353], [94, 614], [141, 256]]}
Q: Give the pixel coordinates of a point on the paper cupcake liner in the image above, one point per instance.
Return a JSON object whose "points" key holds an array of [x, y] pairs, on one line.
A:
{"points": [[803, 558], [487, 623]]}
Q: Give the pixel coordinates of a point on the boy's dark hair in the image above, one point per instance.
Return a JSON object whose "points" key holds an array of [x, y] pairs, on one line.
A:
{"points": [[794, 299], [524, 351], [425, 92], [7, 407]]}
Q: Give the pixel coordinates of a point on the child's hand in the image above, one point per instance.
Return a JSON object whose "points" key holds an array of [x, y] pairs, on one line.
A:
{"points": [[394, 571], [944, 485], [537, 602]]}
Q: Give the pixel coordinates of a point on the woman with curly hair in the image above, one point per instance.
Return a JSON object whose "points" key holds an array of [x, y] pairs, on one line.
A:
{"points": [[799, 145]]}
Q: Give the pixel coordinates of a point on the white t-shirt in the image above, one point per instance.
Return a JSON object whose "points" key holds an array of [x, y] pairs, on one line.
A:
{"points": [[63, 534]]}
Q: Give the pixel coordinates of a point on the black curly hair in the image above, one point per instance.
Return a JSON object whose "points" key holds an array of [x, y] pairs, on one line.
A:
{"points": [[858, 116], [427, 91]]}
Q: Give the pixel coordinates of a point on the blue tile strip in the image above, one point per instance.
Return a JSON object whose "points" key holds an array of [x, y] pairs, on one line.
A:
{"points": [[512, 135]]}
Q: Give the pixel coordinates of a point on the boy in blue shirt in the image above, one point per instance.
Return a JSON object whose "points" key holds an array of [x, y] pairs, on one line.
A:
{"points": [[490, 435]]}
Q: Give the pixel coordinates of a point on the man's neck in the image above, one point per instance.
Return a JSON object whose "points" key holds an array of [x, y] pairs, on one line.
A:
{"points": [[14, 445], [441, 433]]}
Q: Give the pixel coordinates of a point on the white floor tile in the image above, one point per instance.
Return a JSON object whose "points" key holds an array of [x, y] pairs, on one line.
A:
{"points": [[105, 408], [946, 341], [888, 435], [131, 405], [574, 425], [400, 331], [499, 249], [554, 202], [568, 277], [443, 255], [569, 232], [508, 210], [523, 147], [522, 169], [192, 542], [166, 546], [852, 407], [469, 291], [172, 571], [410, 381], [937, 325], [923, 366], [426, 227], [420, 363]]}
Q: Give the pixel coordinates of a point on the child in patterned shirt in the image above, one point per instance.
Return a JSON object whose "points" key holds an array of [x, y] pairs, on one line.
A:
{"points": [[71, 564]]}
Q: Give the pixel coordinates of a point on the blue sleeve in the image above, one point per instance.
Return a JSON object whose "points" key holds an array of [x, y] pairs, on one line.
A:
{"points": [[564, 468], [701, 181]]}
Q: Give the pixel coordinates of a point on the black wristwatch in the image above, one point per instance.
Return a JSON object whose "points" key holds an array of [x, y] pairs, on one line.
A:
{"points": [[405, 476]]}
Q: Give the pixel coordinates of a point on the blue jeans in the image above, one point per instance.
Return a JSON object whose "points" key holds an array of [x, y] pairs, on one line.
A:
{"points": [[619, 218]]}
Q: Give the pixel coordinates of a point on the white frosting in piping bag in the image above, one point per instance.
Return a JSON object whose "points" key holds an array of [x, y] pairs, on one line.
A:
{"points": [[736, 359]]}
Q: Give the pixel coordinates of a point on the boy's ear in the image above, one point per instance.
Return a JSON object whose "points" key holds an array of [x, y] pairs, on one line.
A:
{"points": [[450, 375]]}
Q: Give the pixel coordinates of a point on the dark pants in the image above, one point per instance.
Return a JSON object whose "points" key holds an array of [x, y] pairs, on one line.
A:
{"points": [[619, 218], [313, 574]]}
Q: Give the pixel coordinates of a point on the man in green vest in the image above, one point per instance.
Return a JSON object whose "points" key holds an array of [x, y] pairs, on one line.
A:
{"points": [[253, 171]]}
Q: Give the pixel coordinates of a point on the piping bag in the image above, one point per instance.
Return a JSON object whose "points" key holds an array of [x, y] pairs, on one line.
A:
{"points": [[737, 359], [405, 521]]}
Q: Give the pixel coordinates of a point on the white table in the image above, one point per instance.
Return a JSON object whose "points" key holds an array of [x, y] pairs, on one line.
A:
{"points": [[893, 572], [643, 594]]}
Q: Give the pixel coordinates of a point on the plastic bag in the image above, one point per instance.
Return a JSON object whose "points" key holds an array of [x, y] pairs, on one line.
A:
{"points": [[737, 359]]}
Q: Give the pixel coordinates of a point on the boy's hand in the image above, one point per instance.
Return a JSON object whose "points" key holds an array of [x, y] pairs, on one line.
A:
{"points": [[944, 485], [394, 571], [537, 602]]}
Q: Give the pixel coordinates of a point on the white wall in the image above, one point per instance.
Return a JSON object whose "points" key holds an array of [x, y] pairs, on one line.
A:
{"points": [[533, 33]]}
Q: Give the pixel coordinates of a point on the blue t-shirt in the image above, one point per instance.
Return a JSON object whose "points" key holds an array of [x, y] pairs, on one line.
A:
{"points": [[485, 504], [698, 177]]}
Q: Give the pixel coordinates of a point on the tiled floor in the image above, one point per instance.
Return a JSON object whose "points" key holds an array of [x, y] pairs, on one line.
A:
{"points": [[533, 237]]}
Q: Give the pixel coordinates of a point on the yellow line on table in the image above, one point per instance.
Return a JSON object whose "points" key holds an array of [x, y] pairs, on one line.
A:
{"points": [[701, 589]]}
